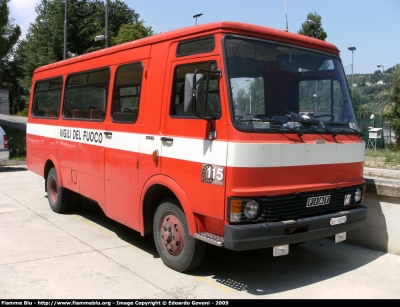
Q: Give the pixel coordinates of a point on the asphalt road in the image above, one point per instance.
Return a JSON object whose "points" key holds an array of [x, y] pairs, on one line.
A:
{"points": [[16, 122], [44, 255]]}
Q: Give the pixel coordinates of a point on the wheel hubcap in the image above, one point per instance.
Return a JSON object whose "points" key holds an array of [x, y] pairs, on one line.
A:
{"points": [[172, 236], [53, 190]]}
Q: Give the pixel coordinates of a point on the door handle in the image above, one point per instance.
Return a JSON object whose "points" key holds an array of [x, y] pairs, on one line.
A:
{"points": [[166, 139], [108, 134]]}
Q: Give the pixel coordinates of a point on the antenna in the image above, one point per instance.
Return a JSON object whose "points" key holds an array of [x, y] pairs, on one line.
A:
{"points": [[287, 26]]}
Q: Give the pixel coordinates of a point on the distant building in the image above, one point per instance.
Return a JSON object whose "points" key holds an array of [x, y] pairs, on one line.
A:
{"points": [[380, 82], [4, 102], [368, 83]]}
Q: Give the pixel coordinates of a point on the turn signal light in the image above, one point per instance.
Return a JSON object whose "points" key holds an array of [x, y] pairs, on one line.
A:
{"points": [[236, 206], [155, 156], [235, 210]]}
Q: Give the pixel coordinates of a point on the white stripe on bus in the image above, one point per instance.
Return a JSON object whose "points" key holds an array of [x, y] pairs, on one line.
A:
{"points": [[251, 155]]}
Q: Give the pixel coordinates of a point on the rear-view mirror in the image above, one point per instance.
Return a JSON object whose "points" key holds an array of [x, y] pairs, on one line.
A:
{"points": [[196, 101]]}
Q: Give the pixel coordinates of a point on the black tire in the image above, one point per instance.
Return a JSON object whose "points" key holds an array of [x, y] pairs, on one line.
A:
{"points": [[176, 247], [58, 197]]}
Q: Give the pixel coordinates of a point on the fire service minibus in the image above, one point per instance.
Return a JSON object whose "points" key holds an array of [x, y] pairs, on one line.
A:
{"points": [[226, 133]]}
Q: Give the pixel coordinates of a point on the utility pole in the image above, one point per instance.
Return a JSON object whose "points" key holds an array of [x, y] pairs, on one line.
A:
{"points": [[65, 28], [352, 67], [106, 37]]}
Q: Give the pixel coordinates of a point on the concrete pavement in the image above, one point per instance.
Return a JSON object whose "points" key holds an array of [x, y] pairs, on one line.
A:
{"points": [[384, 173], [45, 255]]}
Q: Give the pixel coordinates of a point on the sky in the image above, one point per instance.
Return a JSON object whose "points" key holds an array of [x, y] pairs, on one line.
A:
{"points": [[372, 26]]}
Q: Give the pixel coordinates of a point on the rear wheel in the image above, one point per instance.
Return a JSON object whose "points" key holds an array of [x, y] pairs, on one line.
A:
{"points": [[58, 197], [176, 247]]}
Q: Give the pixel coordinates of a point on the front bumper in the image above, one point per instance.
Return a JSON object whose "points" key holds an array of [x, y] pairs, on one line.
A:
{"points": [[4, 154], [255, 236]]}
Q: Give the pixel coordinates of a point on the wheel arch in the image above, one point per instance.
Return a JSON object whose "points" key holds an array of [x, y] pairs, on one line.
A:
{"points": [[51, 162], [155, 190]]}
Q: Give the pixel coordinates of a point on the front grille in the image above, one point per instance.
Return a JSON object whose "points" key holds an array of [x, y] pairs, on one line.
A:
{"points": [[294, 206]]}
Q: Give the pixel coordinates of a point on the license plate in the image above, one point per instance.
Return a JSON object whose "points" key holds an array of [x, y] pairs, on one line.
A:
{"points": [[338, 220]]}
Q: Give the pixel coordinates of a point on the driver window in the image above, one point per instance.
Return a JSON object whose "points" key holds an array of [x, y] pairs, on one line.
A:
{"points": [[211, 89]]}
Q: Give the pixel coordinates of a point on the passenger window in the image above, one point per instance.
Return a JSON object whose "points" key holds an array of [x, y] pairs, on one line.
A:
{"points": [[86, 95], [213, 108], [47, 98], [126, 94]]}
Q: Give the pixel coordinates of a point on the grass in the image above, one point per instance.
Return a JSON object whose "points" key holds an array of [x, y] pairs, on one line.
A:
{"points": [[392, 156], [16, 143]]}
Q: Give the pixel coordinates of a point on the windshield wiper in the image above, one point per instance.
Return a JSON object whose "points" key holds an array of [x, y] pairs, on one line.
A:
{"points": [[347, 126], [271, 121], [307, 121], [318, 123], [299, 133]]}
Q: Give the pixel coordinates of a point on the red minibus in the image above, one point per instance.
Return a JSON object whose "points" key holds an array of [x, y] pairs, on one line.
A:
{"points": [[226, 133]]}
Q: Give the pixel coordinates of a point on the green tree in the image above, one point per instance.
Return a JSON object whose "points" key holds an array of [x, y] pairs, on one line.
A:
{"points": [[44, 42], [395, 110], [130, 32], [9, 33], [356, 100], [241, 102], [257, 96], [313, 28]]}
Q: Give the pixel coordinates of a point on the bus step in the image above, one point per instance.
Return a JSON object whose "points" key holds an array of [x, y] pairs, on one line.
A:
{"points": [[210, 238]]}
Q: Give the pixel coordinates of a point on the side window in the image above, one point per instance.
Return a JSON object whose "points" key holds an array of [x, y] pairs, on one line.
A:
{"points": [[126, 94], [86, 95], [47, 98], [211, 88], [205, 44]]}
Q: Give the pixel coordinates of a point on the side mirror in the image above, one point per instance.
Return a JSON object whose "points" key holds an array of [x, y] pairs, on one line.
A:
{"points": [[194, 103]]}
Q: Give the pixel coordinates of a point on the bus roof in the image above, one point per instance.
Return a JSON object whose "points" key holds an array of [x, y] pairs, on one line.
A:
{"points": [[224, 27]]}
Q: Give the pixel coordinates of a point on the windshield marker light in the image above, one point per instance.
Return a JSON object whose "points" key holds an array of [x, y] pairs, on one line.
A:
{"points": [[340, 237], [281, 250]]}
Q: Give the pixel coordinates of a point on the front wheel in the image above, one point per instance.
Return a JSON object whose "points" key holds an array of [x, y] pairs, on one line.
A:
{"points": [[58, 197], [176, 247]]}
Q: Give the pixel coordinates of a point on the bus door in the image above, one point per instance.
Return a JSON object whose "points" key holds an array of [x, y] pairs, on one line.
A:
{"points": [[123, 144], [82, 142], [195, 162]]}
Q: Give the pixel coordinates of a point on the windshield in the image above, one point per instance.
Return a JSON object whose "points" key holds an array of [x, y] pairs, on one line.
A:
{"points": [[286, 88]]}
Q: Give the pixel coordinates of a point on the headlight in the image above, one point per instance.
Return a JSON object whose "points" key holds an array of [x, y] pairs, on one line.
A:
{"points": [[241, 209], [251, 209], [357, 195]]}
